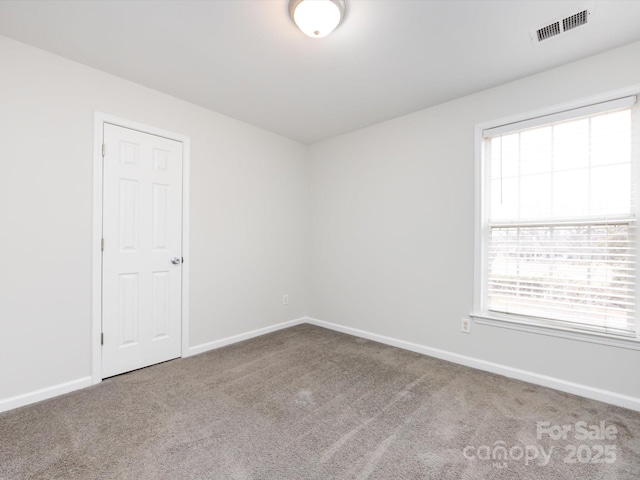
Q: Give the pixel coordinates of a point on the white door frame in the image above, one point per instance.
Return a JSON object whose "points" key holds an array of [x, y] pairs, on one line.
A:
{"points": [[96, 252]]}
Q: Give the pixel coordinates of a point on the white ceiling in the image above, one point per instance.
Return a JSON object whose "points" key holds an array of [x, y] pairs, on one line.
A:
{"points": [[246, 59]]}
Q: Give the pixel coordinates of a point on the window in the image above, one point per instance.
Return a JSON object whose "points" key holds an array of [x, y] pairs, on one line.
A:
{"points": [[558, 235]]}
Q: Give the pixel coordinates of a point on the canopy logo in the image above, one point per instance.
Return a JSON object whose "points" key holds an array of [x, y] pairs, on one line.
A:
{"points": [[501, 454]]}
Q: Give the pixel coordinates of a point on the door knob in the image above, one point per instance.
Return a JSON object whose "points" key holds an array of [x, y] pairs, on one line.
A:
{"points": [[176, 260]]}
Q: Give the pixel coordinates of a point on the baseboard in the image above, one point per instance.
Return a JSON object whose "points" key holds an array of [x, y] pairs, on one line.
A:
{"points": [[606, 396], [593, 393], [44, 394], [61, 389], [205, 347]]}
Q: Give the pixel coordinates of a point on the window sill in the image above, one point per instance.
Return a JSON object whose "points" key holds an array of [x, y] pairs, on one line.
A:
{"points": [[589, 337]]}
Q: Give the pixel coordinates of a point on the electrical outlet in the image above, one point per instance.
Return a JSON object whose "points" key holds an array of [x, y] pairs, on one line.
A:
{"points": [[465, 325], [285, 299]]}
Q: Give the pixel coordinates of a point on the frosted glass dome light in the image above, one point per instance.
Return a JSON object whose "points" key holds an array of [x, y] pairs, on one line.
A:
{"points": [[317, 18]]}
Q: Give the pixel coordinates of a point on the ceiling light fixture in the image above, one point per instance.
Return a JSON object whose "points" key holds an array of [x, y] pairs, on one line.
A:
{"points": [[317, 18]]}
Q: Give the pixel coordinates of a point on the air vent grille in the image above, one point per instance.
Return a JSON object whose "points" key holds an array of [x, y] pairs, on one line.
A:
{"points": [[575, 20], [549, 31], [561, 26]]}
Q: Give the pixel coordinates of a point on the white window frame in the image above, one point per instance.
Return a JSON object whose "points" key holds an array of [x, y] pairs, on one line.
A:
{"points": [[480, 313]]}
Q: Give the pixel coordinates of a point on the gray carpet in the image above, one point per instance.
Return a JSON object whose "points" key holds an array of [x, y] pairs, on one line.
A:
{"points": [[308, 403]]}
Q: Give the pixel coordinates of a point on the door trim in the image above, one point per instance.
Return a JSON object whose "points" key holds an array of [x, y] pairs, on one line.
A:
{"points": [[96, 252]]}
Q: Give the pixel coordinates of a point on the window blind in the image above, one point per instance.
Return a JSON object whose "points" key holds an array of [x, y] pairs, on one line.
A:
{"points": [[561, 219], [562, 115]]}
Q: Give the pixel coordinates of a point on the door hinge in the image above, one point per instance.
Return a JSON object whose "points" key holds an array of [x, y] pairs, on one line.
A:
{"points": [[102, 339], [102, 244], [103, 149]]}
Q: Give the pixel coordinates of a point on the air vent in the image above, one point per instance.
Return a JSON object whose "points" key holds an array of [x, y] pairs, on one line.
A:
{"points": [[548, 31], [561, 26], [575, 20]]}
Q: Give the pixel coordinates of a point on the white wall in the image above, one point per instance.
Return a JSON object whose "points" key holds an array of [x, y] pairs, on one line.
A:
{"points": [[392, 228], [390, 249], [248, 215]]}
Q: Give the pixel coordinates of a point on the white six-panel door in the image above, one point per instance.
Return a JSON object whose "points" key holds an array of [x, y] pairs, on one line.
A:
{"points": [[142, 256]]}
